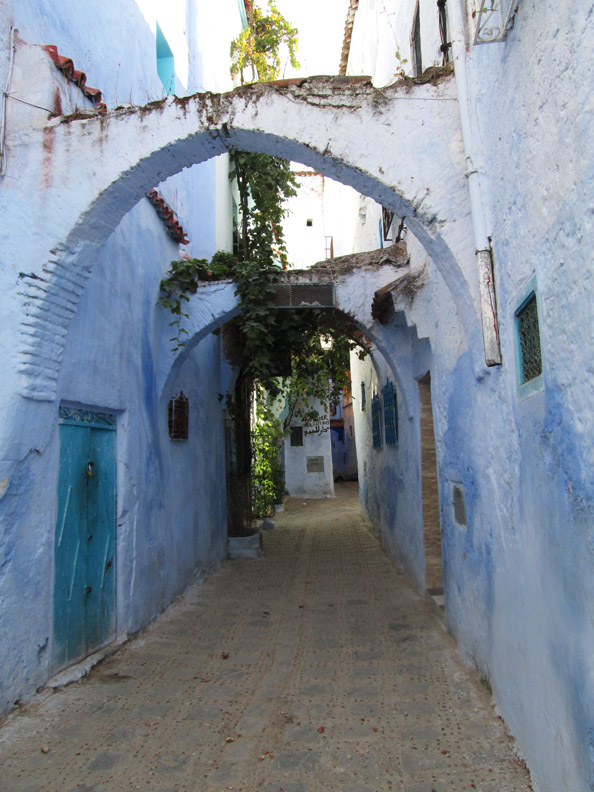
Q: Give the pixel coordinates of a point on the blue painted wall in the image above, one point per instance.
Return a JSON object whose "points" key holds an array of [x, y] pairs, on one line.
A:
{"points": [[389, 476], [171, 509], [519, 577]]}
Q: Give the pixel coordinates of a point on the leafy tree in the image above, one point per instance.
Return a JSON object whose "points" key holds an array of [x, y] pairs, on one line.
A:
{"points": [[264, 184], [258, 46], [267, 469]]}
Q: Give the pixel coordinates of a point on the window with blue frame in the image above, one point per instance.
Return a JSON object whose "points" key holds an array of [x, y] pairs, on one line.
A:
{"points": [[165, 64], [376, 421], [529, 340], [528, 349], [363, 404], [390, 413]]}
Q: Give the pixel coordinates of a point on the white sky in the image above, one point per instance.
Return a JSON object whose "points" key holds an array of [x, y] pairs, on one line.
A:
{"points": [[321, 31]]}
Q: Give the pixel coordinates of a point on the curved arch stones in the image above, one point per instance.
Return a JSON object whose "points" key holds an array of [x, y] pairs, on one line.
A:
{"points": [[400, 145]]}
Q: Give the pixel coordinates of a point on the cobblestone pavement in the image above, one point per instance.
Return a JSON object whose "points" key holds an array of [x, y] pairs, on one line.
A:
{"points": [[314, 668]]}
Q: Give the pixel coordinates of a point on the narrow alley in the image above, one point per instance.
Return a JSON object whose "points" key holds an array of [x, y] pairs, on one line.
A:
{"points": [[315, 667]]}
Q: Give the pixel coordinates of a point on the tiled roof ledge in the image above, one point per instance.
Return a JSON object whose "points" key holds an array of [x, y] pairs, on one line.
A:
{"points": [[167, 215], [79, 78]]}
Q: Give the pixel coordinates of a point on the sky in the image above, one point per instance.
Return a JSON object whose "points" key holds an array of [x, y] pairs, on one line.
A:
{"points": [[321, 31]]}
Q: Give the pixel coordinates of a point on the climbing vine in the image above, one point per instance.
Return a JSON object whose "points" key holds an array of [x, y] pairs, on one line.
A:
{"points": [[258, 46], [182, 280], [279, 351], [264, 184], [267, 470], [267, 341]]}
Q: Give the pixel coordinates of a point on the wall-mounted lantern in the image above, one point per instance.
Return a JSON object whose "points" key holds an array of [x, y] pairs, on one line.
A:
{"points": [[178, 412], [495, 18]]}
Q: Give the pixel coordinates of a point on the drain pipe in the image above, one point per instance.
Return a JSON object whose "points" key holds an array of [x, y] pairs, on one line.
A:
{"points": [[476, 189], [3, 100]]}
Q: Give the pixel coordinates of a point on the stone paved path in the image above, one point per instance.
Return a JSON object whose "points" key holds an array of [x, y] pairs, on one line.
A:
{"points": [[314, 668]]}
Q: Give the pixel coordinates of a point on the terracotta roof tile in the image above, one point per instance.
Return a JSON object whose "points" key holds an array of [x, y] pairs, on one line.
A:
{"points": [[75, 76], [167, 214]]}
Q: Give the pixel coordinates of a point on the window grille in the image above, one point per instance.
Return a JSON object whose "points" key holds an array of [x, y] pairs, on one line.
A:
{"points": [[495, 19], [296, 435], [443, 31], [415, 44], [363, 403], [76, 416], [376, 421], [458, 503], [390, 413], [529, 340], [304, 295], [387, 217], [178, 412]]}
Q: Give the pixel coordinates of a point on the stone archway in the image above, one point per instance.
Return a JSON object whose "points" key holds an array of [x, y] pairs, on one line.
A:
{"points": [[409, 158], [355, 286]]}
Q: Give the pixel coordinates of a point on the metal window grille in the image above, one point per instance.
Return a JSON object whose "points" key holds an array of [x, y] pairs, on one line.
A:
{"points": [[387, 217], [415, 44], [529, 339], [443, 31], [305, 295], [98, 420], [178, 412], [390, 413], [363, 402], [296, 435], [376, 421], [495, 19], [458, 503]]}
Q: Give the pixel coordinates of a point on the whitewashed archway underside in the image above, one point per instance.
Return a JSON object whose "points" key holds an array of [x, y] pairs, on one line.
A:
{"points": [[400, 145]]}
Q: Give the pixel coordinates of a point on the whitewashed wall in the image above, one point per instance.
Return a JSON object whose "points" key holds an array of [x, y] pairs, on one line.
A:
{"points": [[519, 576], [300, 481], [171, 522]]}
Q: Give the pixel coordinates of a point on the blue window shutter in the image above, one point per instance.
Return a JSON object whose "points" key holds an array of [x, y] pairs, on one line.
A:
{"points": [[376, 421], [390, 413]]}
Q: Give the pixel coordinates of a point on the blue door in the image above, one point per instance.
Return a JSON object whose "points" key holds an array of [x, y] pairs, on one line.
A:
{"points": [[84, 547]]}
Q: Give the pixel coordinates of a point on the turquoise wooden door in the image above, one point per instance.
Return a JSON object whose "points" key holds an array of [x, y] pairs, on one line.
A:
{"points": [[84, 547]]}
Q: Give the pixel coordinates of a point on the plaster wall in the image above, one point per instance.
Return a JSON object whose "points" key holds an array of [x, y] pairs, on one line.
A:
{"points": [[316, 443], [390, 476], [116, 357], [305, 243], [518, 576], [170, 505], [541, 172], [330, 206], [381, 41], [92, 37]]}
